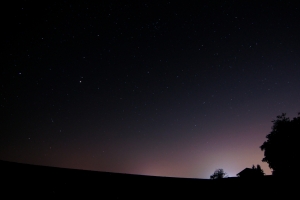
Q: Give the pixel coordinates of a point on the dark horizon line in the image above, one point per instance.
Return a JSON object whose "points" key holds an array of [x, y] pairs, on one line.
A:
{"points": [[6, 162]]}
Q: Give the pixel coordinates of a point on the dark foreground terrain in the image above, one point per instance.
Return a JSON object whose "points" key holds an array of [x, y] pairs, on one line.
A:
{"points": [[24, 180]]}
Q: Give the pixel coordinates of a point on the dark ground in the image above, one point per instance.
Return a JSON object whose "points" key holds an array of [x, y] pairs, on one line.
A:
{"points": [[25, 180]]}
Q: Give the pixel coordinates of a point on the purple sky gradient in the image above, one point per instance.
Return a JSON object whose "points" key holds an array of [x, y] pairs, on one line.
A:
{"points": [[156, 88]]}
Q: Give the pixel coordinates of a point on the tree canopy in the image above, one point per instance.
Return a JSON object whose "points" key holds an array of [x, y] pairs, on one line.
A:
{"points": [[218, 174], [258, 171], [281, 150]]}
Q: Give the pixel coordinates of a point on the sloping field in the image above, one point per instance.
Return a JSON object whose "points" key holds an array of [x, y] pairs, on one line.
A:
{"points": [[40, 181]]}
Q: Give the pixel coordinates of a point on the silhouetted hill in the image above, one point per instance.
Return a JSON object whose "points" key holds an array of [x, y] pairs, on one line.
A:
{"points": [[41, 181]]}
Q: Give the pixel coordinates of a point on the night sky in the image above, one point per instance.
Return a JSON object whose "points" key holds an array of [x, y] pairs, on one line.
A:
{"points": [[162, 88]]}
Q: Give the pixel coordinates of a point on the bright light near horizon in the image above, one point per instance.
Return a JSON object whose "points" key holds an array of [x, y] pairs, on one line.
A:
{"points": [[231, 173]]}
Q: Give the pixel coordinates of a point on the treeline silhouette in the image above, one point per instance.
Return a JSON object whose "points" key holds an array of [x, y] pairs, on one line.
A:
{"points": [[281, 151]]}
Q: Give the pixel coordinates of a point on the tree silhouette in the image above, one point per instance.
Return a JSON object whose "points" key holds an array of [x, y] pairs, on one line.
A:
{"points": [[218, 174], [258, 171], [281, 150]]}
